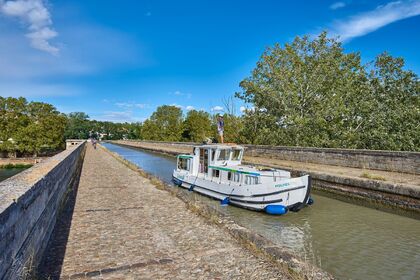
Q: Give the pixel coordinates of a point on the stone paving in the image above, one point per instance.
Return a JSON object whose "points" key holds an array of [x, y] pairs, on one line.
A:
{"points": [[117, 225]]}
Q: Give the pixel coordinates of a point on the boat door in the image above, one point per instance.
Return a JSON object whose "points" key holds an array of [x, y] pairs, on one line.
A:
{"points": [[204, 161]]}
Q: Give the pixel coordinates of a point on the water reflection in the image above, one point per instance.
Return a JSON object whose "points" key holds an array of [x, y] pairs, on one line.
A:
{"points": [[350, 241]]}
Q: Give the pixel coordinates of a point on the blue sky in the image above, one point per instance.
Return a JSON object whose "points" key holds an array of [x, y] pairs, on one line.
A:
{"points": [[119, 60]]}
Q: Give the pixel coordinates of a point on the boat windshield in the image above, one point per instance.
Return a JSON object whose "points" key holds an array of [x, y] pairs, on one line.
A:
{"points": [[224, 154], [184, 163]]}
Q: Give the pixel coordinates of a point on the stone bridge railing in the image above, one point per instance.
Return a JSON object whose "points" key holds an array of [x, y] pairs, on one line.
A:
{"points": [[29, 204]]}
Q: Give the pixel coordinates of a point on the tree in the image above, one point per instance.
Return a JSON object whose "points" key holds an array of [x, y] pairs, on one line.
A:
{"points": [[232, 128], [165, 124], [314, 94], [197, 126], [393, 122], [259, 128], [12, 119], [45, 130], [78, 126], [29, 128]]}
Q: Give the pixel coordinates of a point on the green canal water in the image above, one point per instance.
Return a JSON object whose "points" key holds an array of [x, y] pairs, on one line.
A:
{"points": [[347, 240], [6, 173]]}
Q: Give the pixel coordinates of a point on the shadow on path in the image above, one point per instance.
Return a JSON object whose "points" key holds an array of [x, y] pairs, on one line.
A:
{"points": [[51, 264]]}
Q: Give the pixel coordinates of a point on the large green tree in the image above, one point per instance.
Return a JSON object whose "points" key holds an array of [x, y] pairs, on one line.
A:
{"points": [[165, 124], [311, 93], [30, 128]]}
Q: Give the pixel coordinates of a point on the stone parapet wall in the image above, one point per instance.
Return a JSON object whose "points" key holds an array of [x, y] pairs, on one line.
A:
{"points": [[394, 161], [406, 162], [29, 204]]}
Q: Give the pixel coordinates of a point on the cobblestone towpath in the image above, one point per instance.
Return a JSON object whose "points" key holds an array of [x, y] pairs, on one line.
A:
{"points": [[117, 225]]}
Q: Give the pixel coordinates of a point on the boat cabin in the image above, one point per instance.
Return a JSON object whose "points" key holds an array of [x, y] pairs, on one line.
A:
{"points": [[218, 163], [206, 156]]}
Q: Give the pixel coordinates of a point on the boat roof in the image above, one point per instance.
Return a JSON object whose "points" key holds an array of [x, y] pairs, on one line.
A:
{"points": [[221, 146]]}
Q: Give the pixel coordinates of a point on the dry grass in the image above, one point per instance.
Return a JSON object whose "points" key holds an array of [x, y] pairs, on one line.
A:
{"points": [[368, 175]]}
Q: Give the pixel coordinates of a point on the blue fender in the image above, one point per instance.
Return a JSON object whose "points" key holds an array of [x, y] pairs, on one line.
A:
{"points": [[310, 201], [176, 181], [225, 201], [275, 209]]}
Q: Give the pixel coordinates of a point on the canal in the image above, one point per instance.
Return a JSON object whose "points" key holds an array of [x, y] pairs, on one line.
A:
{"points": [[349, 241], [9, 172]]}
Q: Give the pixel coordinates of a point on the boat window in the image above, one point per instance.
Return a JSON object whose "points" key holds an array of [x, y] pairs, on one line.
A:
{"points": [[229, 175], [216, 173], [251, 180], [236, 154], [213, 155], [184, 163], [236, 177], [204, 160], [224, 154]]}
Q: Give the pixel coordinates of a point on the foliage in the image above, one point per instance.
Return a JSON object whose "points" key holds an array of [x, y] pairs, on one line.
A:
{"points": [[233, 126], [15, 166], [197, 126], [311, 93], [80, 127], [29, 128], [165, 124]]}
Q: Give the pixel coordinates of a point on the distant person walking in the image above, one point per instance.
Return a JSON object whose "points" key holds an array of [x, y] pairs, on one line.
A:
{"points": [[220, 127], [94, 143]]}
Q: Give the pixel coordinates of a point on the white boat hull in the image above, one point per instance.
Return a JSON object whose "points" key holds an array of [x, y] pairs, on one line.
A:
{"points": [[291, 193]]}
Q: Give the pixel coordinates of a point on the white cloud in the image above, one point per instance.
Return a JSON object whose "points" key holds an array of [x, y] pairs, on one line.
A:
{"points": [[189, 108], [367, 22], [242, 109], [36, 16], [337, 5], [79, 56], [217, 109], [177, 105], [118, 116], [180, 93], [131, 105]]}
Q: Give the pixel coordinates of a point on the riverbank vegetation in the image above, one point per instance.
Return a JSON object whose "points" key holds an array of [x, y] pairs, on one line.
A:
{"points": [[305, 93], [15, 166]]}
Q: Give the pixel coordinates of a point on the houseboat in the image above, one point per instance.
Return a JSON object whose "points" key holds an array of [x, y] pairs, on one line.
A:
{"points": [[216, 170]]}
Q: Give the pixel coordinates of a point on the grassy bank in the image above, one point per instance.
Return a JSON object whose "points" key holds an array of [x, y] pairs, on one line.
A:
{"points": [[15, 165]]}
